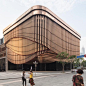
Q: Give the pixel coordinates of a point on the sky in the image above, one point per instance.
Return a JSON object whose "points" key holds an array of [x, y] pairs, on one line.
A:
{"points": [[73, 12]]}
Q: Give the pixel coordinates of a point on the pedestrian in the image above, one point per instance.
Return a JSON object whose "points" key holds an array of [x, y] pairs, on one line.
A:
{"points": [[31, 81], [24, 78], [78, 79]]}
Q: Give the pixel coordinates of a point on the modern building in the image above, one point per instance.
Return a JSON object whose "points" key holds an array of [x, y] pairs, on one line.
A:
{"points": [[39, 35], [82, 51], [2, 55]]}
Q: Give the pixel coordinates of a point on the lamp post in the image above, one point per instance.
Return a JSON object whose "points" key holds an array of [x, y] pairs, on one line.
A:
{"points": [[35, 63]]}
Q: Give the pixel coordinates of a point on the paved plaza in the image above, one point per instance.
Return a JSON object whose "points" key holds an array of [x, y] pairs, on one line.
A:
{"points": [[48, 78]]}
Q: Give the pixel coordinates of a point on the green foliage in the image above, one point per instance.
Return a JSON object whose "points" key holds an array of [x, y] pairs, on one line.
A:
{"points": [[72, 57], [84, 63], [77, 62], [75, 67], [62, 55]]}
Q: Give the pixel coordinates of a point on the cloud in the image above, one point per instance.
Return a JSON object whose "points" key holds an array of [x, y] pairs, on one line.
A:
{"points": [[56, 5], [1, 26], [81, 0], [3, 2], [1, 32], [64, 5]]}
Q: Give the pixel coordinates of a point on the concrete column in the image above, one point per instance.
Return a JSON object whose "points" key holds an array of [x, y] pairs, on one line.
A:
{"points": [[6, 62]]}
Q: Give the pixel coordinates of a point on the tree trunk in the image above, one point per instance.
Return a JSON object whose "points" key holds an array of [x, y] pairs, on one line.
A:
{"points": [[63, 66], [70, 65]]}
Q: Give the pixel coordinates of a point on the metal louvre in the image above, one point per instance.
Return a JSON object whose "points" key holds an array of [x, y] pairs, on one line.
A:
{"points": [[35, 36]]}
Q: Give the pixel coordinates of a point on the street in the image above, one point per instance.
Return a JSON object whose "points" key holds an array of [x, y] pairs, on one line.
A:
{"points": [[41, 79]]}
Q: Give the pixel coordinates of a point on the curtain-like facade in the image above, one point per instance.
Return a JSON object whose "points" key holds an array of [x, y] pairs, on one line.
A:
{"points": [[39, 36]]}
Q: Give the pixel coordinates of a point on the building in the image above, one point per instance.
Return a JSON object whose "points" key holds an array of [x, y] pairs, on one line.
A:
{"points": [[82, 51], [2, 55], [39, 35]]}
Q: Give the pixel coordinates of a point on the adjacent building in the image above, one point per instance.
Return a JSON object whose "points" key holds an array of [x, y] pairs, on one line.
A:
{"points": [[39, 35], [82, 51], [2, 55]]}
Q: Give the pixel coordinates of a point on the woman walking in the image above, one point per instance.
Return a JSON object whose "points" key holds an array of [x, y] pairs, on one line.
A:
{"points": [[78, 79], [24, 78], [31, 81]]}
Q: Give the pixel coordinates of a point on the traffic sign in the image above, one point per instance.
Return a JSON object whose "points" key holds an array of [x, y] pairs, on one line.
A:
{"points": [[81, 56]]}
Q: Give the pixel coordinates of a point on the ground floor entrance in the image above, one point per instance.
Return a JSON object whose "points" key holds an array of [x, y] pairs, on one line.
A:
{"points": [[55, 66], [2, 64]]}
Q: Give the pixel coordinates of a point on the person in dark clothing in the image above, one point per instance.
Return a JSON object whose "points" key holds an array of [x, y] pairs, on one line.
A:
{"points": [[78, 79], [24, 78]]}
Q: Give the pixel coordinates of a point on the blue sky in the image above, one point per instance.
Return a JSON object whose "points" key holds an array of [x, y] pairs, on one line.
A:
{"points": [[73, 12]]}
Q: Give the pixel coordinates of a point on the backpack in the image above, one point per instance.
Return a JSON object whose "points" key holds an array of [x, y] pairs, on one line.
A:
{"points": [[76, 78]]}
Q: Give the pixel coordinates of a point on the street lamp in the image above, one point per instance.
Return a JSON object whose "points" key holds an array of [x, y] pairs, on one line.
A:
{"points": [[35, 63]]}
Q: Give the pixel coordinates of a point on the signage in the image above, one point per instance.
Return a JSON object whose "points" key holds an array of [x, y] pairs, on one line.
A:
{"points": [[81, 56]]}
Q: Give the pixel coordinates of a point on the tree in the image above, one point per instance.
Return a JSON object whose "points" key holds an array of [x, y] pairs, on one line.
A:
{"points": [[62, 56], [77, 62], [71, 59], [84, 63]]}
